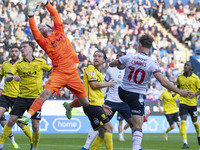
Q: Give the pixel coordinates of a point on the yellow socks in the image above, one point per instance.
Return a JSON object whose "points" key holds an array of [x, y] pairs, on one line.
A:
{"points": [[183, 129], [196, 125], [169, 129], [36, 138], [27, 132], [5, 133], [108, 141], [96, 143]]}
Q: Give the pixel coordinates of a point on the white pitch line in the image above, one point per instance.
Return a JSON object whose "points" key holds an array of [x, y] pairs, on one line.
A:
{"points": [[50, 145]]}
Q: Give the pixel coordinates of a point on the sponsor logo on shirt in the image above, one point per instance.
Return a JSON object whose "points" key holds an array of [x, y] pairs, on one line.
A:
{"points": [[92, 73]]}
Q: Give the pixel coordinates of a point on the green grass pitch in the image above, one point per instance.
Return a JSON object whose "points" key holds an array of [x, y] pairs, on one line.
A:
{"points": [[76, 141]]}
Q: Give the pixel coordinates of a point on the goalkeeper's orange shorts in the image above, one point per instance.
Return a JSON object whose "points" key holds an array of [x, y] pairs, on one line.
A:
{"points": [[68, 78]]}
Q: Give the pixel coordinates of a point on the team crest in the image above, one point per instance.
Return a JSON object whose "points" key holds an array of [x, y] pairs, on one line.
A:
{"points": [[92, 73], [135, 57], [96, 121]]}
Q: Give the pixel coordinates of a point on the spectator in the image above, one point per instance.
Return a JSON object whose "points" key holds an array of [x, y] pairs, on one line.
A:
{"points": [[81, 56], [154, 8], [169, 22], [197, 46], [110, 45], [192, 6], [178, 4]]}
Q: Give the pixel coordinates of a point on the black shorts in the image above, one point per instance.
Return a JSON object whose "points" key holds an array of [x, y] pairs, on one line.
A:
{"points": [[134, 100], [6, 101], [185, 109], [171, 118], [23, 104], [96, 115]]}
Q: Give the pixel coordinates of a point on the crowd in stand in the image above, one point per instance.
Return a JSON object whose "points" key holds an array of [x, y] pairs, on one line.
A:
{"points": [[183, 21], [109, 26]]}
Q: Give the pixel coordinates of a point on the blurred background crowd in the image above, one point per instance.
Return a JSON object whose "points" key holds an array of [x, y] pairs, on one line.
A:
{"points": [[109, 26]]}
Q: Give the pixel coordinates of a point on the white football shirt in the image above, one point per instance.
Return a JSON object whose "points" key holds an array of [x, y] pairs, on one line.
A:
{"points": [[115, 74], [138, 71]]}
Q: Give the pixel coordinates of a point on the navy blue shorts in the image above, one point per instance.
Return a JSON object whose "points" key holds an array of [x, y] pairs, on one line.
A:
{"points": [[134, 100], [119, 116], [122, 107], [3, 118]]}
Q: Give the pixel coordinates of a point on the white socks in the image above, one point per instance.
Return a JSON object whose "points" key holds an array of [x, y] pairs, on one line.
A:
{"points": [[68, 107], [91, 135], [12, 139], [137, 139], [28, 115], [185, 141], [1, 145], [121, 137]]}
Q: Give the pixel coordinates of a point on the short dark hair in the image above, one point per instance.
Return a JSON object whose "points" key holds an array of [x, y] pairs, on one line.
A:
{"points": [[191, 64], [14, 46], [146, 40], [31, 44], [104, 54]]}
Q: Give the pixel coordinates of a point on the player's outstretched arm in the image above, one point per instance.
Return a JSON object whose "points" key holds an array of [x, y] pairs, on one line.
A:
{"points": [[97, 85], [58, 25], [36, 33], [164, 82], [114, 63]]}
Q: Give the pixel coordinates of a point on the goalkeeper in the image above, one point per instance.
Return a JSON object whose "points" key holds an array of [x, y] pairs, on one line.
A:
{"points": [[63, 56]]}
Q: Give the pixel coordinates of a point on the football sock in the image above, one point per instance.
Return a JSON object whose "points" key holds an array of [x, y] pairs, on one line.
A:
{"points": [[108, 141], [27, 132], [90, 138], [37, 104], [11, 137], [137, 139], [75, 103], [184, 131], [5, 133], [36, 138], [121, 135], [96, 143], [169, 129], [196, 125]]}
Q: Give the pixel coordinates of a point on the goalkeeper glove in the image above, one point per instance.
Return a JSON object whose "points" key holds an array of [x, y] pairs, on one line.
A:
{"points": [[41, 1], [31, 7]]}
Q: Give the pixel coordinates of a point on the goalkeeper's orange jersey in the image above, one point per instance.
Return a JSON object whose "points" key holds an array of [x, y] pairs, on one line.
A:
{"points": [[57, 45]]}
